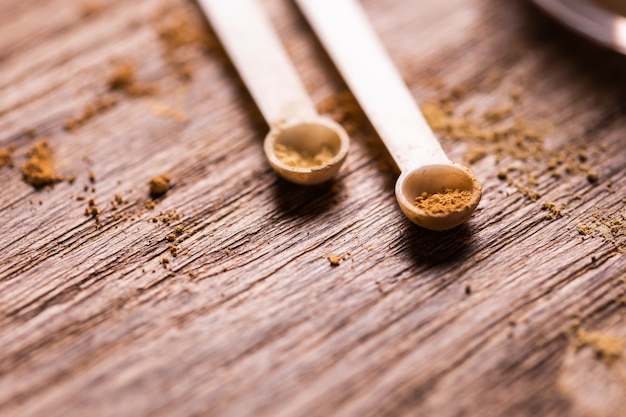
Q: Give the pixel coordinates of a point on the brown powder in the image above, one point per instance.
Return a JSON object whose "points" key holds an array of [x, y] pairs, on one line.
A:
{"points": [[177, 30], [159, 185], [6, 157], [334, 260], [99, 105], [444, 202], [92, 210], [554, 211], [295, 158], [343, 108], [123, 79], [610, 228], [39, 168], [90, 8], [510, 139], [606, 347]]}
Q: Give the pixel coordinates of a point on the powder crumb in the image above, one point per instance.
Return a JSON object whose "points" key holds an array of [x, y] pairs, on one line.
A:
{"points": [[159, 185], [164, 110], [6, 157], [92, 210], [584, 229], [118, 198], [90, 8], [92, 177], [99, 105], [342, 108], [553, 210], [150, 204], [178, 31], [170, 237], [468, 289], [592, 176], [123, 79], [606, 347], [444, 202], [334, 260], [39, 168], [301, 159]]}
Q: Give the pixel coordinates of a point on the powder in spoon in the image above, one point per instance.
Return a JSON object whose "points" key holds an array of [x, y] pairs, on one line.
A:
{"points": [[300, 159], [444, 202]]}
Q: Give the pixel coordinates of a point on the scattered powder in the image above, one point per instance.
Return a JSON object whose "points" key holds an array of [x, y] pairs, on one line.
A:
{"points": [[177, 31], [167, 217], [334, 260], [92, 210], [90, 8], [444, 202], [39, 168], [159, 185], [610, 228], [164, 110], [98, 106], [342, 108], [606, 347], [554, 211], [508, 138], [123, 79], [6, 157], [295, 158]]}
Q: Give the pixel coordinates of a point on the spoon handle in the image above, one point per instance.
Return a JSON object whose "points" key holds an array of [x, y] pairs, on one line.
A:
{"points": [[344, 30], [257, 53]]}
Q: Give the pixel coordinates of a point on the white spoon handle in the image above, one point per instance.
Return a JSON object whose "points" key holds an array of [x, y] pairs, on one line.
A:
{"points": [[257, 53], [344, 30]]}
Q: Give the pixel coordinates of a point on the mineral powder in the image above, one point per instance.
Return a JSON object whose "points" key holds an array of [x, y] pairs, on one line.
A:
{"points": [[444, 202], [159, 185], [39, 170], [6, 157], [299, 159]]}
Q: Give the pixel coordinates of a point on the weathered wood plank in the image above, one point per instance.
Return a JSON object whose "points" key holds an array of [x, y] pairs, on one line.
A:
{"points": [[249, 318]]}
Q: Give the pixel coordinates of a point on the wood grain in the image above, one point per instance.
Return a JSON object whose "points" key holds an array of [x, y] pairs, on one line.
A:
{"points": [[249, 318]]}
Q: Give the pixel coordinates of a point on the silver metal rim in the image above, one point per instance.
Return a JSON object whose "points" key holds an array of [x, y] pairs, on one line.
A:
{"points": [[594, 22]]}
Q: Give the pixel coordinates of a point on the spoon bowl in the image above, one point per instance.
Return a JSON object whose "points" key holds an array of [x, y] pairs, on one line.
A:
{"points": [[302, 146], [307, 152], [435, 179]]}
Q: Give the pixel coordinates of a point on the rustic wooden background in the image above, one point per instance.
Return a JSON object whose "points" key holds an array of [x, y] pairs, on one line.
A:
{"points": [[521, 312]]}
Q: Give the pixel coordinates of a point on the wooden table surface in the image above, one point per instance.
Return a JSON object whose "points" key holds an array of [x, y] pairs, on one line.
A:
{"points": [[520, 312]]}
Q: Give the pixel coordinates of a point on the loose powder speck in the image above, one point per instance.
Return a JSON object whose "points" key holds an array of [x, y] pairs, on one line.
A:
{"points": [[6, 157], [39, 170], [444, 202], [159, 185], [299, 159]]}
